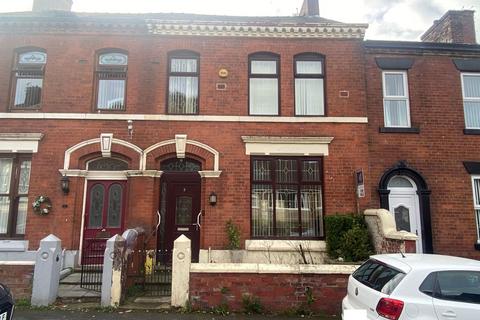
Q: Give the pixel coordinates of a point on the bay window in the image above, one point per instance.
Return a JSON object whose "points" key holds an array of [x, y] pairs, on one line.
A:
{"points": [[286, 197], [264, 84], [309, 85], [183, 82], [14, 185], [27, 79], [396, 105], [471, 99], [111, 79]]}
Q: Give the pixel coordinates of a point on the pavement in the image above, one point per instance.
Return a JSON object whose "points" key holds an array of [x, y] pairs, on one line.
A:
{"points": [[129, 314]]}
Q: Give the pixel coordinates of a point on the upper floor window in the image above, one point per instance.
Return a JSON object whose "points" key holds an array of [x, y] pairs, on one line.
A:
{"points": [[111, 78], [309, 85], [14, 185], [28, 79], [476, 203], [471, 99], [396, 106], [263, 83], [183, 73]]}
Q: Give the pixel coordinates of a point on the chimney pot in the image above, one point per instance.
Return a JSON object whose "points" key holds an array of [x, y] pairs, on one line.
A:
{"points": [[310, 8], [52, 5]]}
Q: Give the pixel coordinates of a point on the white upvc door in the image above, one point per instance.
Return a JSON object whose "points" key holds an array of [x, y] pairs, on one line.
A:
{"points": [[404, 206]]}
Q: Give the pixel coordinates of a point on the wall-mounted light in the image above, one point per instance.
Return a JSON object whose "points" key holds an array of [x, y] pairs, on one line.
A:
{"points": [[65, 185], [212, 199]]}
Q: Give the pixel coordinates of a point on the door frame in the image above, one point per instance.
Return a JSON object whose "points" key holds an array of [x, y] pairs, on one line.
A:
{"points": [[423, 192]]}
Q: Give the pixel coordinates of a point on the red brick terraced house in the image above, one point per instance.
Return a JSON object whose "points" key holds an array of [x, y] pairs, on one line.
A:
{"points": [[179, 123]]}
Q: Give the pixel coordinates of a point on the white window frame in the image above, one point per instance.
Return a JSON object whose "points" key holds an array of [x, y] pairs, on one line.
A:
{"points": [[476, 206], [475, 74], [405, 97]]}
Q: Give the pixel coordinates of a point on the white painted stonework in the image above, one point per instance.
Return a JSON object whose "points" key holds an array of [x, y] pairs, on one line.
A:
{"points": [[181, 145], [286, 146], [19, 142], [272, 268], [181, 263]]}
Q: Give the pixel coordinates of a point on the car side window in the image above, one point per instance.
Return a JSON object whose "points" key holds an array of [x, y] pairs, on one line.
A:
{"points": [[428, 285], [460, 286]]}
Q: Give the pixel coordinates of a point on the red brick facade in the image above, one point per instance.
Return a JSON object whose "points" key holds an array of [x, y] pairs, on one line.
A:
{"points": [[19, 279]]}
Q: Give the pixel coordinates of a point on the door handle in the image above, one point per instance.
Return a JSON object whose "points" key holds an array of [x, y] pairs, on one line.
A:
{"points": [[449, 314]]}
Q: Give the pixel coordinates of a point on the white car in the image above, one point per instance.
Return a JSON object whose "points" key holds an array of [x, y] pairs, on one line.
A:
{"points": [[415, 286]]}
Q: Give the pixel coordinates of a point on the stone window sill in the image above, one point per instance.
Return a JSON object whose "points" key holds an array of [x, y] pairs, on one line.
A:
{"points": [[399, 130]]}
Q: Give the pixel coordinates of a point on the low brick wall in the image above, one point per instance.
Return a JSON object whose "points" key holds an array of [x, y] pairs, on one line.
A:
{"points": [[277, 292], [18, 277]]}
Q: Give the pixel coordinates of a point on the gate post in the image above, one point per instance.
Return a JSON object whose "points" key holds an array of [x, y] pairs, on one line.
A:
{"points": [[112, 272], [182, 258], [46, 277]]}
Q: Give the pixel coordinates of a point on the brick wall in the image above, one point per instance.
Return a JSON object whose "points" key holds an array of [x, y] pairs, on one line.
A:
{"points": [[276, 292], [452, 27], [18, 278]]}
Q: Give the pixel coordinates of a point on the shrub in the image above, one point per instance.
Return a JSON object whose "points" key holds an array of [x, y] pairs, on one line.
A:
{"points": [[251, 304], [347, 237], [233, 234]]}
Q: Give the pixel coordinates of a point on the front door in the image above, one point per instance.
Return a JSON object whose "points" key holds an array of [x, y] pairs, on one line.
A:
{"points": [[404, 205], [181, 194], [104, 210]]}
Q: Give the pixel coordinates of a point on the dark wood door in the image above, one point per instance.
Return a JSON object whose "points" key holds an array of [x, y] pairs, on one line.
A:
{"points": [[182, 210], [104, 210]]}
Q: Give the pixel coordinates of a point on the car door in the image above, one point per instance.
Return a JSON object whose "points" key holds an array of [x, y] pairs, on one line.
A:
{"points": [[457, 295]]}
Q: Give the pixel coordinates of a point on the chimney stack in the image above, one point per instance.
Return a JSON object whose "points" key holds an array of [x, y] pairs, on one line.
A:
{"points": [[455, 26], [52, 5], [310, 8]]}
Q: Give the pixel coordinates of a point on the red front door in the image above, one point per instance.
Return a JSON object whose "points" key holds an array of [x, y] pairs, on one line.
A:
{"points": [[104, 210]]}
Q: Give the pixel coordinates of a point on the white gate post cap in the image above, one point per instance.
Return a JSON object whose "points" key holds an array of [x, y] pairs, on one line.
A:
{"points": [[182, 242], [50, 238]]}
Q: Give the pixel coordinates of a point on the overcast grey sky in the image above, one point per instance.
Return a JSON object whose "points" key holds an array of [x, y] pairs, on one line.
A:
{"points": [[388, 19]]}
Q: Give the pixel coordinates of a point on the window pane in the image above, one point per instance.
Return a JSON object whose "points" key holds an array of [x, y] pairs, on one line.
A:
{"points": [[183, 65], [311, 170], [5, 175], [402, 218], [476, 184], [309, 67], [263, 67], [399, 182], [261, 170], [180, 165], [287, 171], [462, 286], [471, 86], [96, 206], [24, 179], [111, 94], [4, 210], [34, 57], [21, 215], [107, 164], [183, 95], [114, 206], [477, 216], [183, 211], [472, 114], [377, 276], [113, 59], [394, 85], [287, 211], [262, 210], [264, 96], [309, 97], [396, 113], [28, 92], [311, 211]]}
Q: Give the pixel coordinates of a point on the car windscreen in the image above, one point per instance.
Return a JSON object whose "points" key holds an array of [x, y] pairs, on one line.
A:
{"points": [[378, 276]]}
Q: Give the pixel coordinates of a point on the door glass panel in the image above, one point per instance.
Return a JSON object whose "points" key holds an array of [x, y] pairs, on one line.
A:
{"points": [[262, 210], [183, 211], [22, 215], [311, 211], [96, 206], [287, 171], [402, 218], [4, 210], [24, 180], [5, 174], [114, 206], [287, 211]]}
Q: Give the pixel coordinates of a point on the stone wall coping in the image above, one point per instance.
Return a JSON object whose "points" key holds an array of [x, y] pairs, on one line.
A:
{"points": [[17, 263], [271, 268], [285, 245]]}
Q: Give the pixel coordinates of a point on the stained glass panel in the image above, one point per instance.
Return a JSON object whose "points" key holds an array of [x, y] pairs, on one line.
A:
{"points": [[183, 210], [261, 170], [402, 218], [107, 164], [24, 179], [96, 206], [180, 165], [287, 211], [22, 215], [287, 171], [114, 206], [311, 211], [262, 210], [310, 171], [5, 174]]}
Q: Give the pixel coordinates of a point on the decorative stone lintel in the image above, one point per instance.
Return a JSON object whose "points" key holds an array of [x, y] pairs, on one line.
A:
{"points": [[20, 142], [210, 174], [181, 145], [286, 146], [106, 144], [144, 173]]}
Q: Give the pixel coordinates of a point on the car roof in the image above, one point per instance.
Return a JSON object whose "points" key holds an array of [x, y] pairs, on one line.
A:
{"points": [[409, 262]]}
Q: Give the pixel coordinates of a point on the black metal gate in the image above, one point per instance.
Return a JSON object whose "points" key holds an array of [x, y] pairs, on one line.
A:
{"points": [[150, 271], [92, 264]]}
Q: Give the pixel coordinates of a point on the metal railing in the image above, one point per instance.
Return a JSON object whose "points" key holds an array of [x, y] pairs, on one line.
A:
{"points": [[92, 264]]}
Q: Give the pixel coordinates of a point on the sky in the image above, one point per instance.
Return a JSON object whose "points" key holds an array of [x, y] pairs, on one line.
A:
{"points": [[387, 19]]}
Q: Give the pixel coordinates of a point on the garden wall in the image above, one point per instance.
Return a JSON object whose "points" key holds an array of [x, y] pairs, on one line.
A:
{"points": [[18, 276]]}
